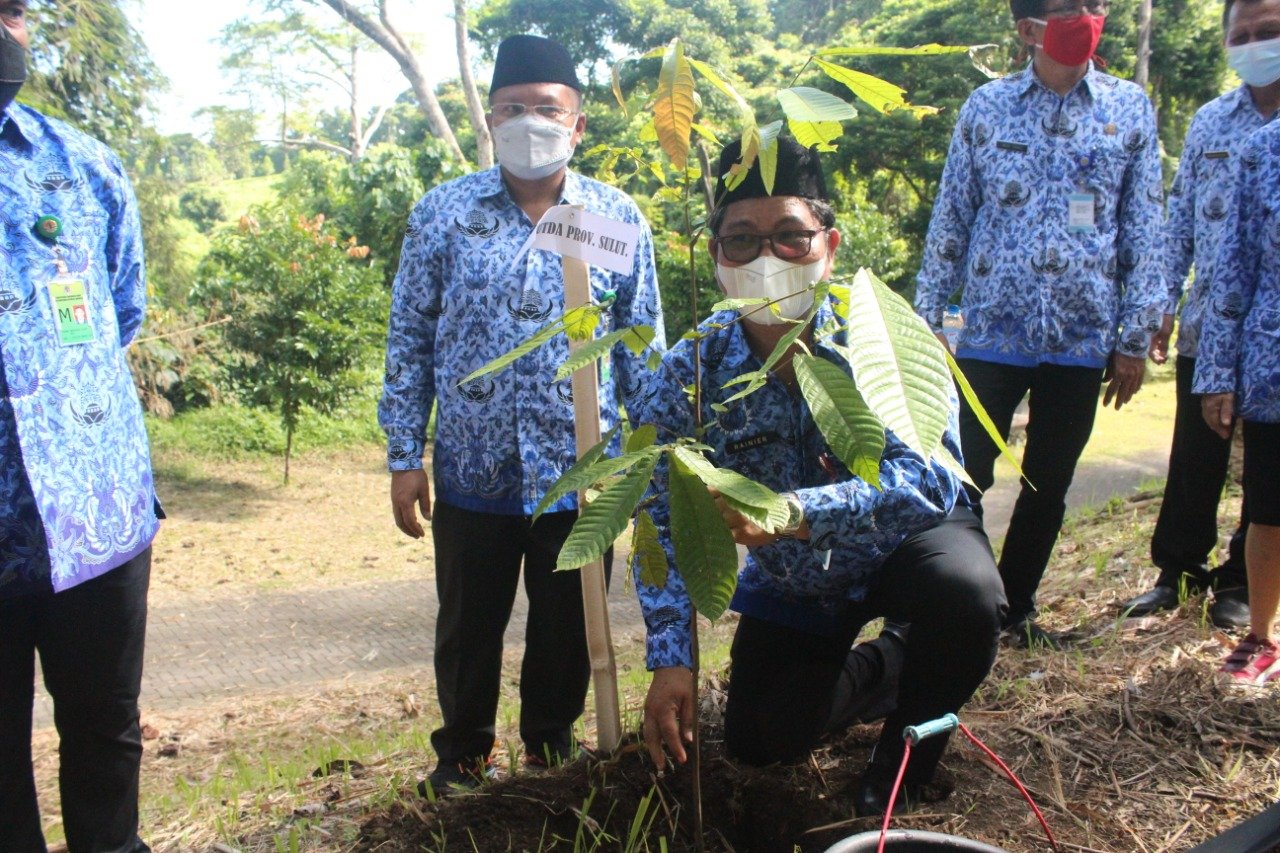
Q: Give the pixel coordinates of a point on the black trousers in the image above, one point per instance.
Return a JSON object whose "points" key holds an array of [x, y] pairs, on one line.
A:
{"points": [[1062, 407], [478, 563], [1187, 529], [785, 685], [90, 640]]}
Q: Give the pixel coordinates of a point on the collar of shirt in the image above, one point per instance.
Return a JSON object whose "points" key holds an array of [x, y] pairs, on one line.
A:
{"points": [[17, 127], [491, 185], [738, 357], [1026, 79]]}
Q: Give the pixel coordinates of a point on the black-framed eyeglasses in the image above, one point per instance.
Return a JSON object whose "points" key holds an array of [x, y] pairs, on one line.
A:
{"points": [[787, 245], [551, 112], [1071, 10]]}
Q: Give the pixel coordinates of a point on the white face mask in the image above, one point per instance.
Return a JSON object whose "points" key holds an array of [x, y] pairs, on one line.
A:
{"points": [[768, 277], [1257, 63], [532, 148]]}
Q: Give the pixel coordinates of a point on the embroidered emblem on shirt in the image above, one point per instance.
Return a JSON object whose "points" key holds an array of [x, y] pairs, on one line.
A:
{"points": [[1059, 126], [91, 411], [479, 391], [1216, 209], [1014, 195], [1052, 263], [12, 303], [478, 224], [531, 306], [54, 182]]}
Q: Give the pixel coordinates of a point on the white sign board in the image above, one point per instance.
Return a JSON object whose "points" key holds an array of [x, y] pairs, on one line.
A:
{"points": [[601, 242]]}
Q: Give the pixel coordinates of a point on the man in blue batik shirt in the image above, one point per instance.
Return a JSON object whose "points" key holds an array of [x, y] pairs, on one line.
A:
{"points": [[1049, 219], [912, 551], [1186, 532], [77, 504], [1238, 374], [467, 292]]}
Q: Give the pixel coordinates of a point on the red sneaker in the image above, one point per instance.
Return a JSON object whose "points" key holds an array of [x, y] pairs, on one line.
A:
{"points": [[1252, 663]]}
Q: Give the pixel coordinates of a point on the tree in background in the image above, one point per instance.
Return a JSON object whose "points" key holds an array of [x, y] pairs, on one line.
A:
{"points": [[233, 137], [87, 68], [307, 313]]}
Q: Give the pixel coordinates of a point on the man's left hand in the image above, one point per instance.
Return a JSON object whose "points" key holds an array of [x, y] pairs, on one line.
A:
{"points": [[1124, 377], [1159, 349], [744, 530]]}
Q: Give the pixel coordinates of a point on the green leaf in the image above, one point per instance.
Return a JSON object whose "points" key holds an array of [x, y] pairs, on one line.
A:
{"points": [[918, 50], [980, 412], [952, 464], [637, 338], [655, 360], [580, 323], [769, 154], [735, 304], [541, 337], [756, 378], [706, 133], [715, 79], [648, 553], [898, 364], [814, 116], [642, 438], [882, 95], [757, 502], [675, 105], [750, 149], [606, 517], [706, 556], [580, 478], [854, 433]]}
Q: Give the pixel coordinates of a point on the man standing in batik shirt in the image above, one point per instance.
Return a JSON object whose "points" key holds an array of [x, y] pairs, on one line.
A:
{"points": [[77, 504], [467, 292], [1238, 376], [1187, 530], [1049, 219]]}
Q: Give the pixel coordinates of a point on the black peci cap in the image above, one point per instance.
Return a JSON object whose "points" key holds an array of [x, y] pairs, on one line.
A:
{"points": [[533, 59], [799, 173]]}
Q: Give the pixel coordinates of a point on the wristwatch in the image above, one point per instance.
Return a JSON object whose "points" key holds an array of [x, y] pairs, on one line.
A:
{"points": [[795, 516]]}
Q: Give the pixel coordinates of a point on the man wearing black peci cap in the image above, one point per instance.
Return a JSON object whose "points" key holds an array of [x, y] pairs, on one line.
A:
{"points": [[468, 291], [912, 551]]}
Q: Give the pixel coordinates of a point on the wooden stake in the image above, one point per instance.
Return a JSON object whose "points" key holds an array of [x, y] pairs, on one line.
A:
{"points": [[586, 415]]}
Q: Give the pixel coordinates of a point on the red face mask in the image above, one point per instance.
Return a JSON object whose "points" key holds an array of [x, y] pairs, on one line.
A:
{"points": [[1072, 41]]}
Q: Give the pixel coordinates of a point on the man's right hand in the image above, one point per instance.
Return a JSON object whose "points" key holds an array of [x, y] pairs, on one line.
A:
{"points": [[1219, 412], [669, 713], [409, 488]]}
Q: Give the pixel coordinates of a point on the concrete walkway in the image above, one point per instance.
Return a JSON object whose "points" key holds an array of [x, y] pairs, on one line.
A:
{"points": [[211, 649]]}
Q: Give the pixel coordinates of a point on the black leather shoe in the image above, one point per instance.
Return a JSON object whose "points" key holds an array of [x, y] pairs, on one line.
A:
{"points": [[1154, 600], [1230, 608], [871, 797], [1028, 635]]}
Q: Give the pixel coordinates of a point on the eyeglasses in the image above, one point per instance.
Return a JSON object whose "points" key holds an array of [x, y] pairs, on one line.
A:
{"points": [[506, 112], [1071, 10], [787, 245]]}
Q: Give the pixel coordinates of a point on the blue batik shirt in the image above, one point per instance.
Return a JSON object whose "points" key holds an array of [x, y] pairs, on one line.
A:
{"points": [[770, 436], [1240, 338], [1035, 290], [1199, 202], [76, 491], [464, 295]]}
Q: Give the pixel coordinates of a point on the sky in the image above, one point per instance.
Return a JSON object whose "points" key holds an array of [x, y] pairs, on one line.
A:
{"points": [[182, 37]]}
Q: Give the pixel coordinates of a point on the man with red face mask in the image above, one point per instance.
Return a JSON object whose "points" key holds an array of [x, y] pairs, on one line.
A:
{"points": [[1049, 219]]}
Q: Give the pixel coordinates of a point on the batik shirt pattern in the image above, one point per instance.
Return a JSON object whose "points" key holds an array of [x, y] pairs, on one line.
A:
{"points": [[1036, 291], [1240, 338], [76, 491], [465, 294], [770, 436], [1199, 201]]}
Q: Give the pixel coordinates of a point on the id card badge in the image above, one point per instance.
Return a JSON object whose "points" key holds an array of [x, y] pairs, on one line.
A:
{"points": [[1080, 213], [72, 320]]}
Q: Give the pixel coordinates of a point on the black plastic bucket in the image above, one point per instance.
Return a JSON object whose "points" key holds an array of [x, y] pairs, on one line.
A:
{"points": [[910, 841]]}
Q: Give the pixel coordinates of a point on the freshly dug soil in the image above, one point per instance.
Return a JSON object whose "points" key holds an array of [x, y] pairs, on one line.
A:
{"points": [[620, 804]]}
